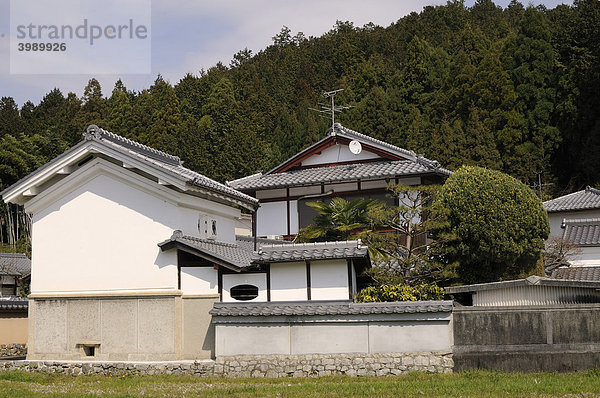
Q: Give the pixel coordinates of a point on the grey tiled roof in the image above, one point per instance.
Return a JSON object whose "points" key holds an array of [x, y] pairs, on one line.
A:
{"points": [[231, 253], [327, 308], [247, 242], [589, 198], [342, 173], [413, 165], [310, 251], [155, 159], [168, 163], [583, 232], [14, 304], [241, 254], [577, 273], [14, 264]]}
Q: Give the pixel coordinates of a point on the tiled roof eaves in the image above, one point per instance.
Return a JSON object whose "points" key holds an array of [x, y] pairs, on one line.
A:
{"points": [[167, 163], [581, 273], [357, 172], [587, 199], [329, 308], [179, 238], [582, 232]]}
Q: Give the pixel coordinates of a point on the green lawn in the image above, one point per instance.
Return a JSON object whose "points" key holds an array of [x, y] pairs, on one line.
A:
{"points": [[468, 384]]}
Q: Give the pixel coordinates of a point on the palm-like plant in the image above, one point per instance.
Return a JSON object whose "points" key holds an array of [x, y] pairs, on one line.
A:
{"points": [[339, 219]]}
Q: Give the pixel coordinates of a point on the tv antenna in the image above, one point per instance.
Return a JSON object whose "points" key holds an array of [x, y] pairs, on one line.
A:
{"points": [[538, 185], [329, 110]]}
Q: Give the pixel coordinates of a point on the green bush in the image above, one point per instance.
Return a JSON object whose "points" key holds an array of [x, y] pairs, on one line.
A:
{"points": [[399, 292], [496, 226]]}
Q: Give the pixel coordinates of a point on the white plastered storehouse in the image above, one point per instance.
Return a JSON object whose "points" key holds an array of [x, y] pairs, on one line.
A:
{"points": [[130, 250]]}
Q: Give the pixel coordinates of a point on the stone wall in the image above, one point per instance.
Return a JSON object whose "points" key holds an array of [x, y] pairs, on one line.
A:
{"points": [[561, 338], [13, 350], [256, 366]]}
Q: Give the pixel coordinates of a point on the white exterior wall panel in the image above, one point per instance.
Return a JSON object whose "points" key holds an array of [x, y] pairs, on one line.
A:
{"points": [[109, 232], [288, 281], [231, 280], [199, 280], [271, 219], [338, 153], [555, 219], [329, 280]]}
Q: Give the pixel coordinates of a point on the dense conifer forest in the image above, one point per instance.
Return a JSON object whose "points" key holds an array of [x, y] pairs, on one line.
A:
{"points": [[514, 89]]}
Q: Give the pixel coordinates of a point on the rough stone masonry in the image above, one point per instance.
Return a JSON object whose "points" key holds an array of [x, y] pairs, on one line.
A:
{"points": [[256, 366]]}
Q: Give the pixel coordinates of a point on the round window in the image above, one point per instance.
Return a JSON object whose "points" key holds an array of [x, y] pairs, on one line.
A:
{"points": [[244, 292]]}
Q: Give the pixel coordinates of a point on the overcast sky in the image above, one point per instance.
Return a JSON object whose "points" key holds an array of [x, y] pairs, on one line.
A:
{"points": [[190, 35]]}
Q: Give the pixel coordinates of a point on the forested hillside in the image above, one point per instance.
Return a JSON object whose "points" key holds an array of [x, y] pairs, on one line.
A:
{"points": [[515, 89]]}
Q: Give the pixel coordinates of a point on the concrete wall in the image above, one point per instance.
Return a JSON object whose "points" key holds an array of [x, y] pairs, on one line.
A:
{"points": [[13, 327], [198, 331], [527, 339], [365, 334], [121, 328]]}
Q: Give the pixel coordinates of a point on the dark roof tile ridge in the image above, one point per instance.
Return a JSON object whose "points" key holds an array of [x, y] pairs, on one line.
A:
{"points": [[95, 132], [581, 220], [249, 177], [592, 190], [14, 255], [179, 235], [565, 196], [339, 127], [344, 243]]}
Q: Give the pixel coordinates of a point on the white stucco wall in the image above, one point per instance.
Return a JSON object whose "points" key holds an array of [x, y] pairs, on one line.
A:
{"points": [[231, 280], [98, 230], [338, 153], [294, 221], [329, 280], [199, 280], [588, 256], [288, 281], [271, 219], [555, 219]]}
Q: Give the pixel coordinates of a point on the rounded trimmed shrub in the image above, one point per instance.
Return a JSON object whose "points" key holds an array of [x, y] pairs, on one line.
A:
{"points": [[496, 225]]}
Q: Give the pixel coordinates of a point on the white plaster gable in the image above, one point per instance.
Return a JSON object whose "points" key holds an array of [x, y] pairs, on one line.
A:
{"points": [[339, 153]]}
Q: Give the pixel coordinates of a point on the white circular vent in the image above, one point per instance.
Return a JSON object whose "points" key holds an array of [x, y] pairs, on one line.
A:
{"points": [[355, 147]]}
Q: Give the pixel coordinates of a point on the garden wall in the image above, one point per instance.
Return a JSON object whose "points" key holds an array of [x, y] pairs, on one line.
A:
{"points": [[527, 339], [331, 327]]}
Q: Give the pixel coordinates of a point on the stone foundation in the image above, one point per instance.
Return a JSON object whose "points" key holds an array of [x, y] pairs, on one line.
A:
{"points": [[256, 366], [13, 350]]}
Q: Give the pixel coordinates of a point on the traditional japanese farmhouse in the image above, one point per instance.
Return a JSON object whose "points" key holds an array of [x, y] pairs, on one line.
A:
{"points": [[583, 204], [576, 218], [131, 250], [345, 163]]}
